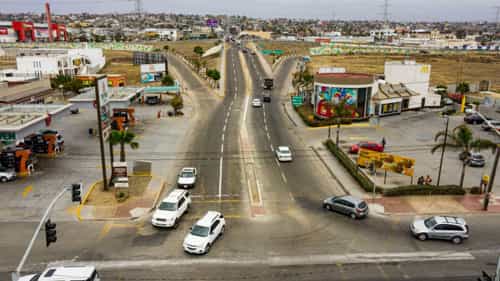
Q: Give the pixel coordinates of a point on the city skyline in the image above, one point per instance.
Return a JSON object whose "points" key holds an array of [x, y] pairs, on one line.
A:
{"points": [[399, 10]]}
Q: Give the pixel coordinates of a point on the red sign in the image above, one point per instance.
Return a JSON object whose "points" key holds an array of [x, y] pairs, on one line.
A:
{"points": [[323, 40], [4, 31]]}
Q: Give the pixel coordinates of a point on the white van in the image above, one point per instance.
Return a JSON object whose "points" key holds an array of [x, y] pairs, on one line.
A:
{"points": [[171, 208], [65, 273]]}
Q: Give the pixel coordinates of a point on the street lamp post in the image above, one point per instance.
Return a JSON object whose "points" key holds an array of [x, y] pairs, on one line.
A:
{"points": [[492, 179], [442, 151]]}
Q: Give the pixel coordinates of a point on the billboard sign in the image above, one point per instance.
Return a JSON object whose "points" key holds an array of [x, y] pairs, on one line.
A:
{"points": [[102, 88], [212, 22], [152, 72], [4, 31], [326, 96]]}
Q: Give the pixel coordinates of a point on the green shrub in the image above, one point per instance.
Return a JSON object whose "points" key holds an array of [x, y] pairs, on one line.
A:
{"points": [[367, 184], [424, 190], [307, 114], [475, 190]]}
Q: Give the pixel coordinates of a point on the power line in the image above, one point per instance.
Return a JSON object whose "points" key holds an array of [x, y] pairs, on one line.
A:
{"points": [[386, 12]]}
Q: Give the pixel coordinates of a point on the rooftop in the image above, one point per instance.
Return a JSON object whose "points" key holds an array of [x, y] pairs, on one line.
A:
{"points": [[391, 91], [344, 78], [20, 116], [115, 94]]}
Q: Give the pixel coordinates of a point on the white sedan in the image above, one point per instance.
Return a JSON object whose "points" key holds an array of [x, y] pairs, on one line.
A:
{"points": [[256, 103], [283, 153]]}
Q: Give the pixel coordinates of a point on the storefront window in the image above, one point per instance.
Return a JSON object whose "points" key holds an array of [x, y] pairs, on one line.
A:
{"points": [[389, 108]]}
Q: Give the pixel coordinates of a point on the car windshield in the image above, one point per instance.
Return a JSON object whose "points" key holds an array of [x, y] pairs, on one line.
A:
{"points": [[167, 206], [187, 174], [477, 156], [430, 222], [362, 205], [201, 231], [284, 150]]}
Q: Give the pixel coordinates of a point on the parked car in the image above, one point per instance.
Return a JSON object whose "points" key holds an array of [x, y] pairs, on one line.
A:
{"points": [[284, 154], [171, 209], [256, 103], [488, 125], [370, 145], [470, 109], [473, 119], [476, 160], [266, 96], [347, 205], [187, 177], [152, 100], [454, 229], [447, 101], [7, 174], [204, 233], [64, 273]]}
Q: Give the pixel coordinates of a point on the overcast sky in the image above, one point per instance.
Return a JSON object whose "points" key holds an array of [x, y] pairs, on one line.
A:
{"points": [[400, 10]]}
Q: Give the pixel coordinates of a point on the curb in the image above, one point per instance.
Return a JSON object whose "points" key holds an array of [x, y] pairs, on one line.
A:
{"points": [[330, 171], [158, 195], [288, 115], [84, 200]]}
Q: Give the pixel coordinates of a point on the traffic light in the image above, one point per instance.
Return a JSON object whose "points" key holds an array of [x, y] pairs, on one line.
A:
{"points": [[50, 232], [485, 277], [76, 192]]}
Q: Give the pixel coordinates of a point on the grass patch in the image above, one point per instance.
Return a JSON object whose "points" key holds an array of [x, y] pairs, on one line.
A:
{"points": [[405, 190], [120, 62], [98, 197], [307, 115]]}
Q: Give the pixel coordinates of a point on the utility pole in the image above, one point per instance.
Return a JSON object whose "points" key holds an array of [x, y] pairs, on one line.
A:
{"points": [[492, 179], [442, 151], [17, 274], [100, 88], [386, 13], [497, 18]]}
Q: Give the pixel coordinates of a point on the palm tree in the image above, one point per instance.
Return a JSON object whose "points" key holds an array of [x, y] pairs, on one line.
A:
{"points": [[339, 112], [123, 137], [461, 138]]}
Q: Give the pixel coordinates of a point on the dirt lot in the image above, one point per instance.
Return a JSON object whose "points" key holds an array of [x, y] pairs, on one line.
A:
{"points": [[186, 48], [120, 62], [445, 68], [98, 197]]}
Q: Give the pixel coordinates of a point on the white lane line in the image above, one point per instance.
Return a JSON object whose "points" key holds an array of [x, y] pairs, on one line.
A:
{"points": [[223, 136], [225, 126], [228, 113], [283, 177], [272, 148], [265, 126], [268, 136], [220, 177], [277, 162], [291, 196], [259, 193], [247, 101]]}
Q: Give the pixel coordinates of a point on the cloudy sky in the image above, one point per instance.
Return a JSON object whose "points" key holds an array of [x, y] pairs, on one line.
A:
{"points": [[400, 10]]}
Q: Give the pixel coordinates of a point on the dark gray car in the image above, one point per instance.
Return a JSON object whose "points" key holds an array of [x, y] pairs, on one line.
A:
{"points": [[348, 205]]}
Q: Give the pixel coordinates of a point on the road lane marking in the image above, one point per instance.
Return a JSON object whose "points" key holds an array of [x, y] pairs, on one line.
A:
{"points": [[268, 136], [27, 190], [283, 177], [277, 162], [222, 137], [220, 176], [247, 100], [222, 148], [225, 126], [272, 148], [259, 192], [318, 259]]}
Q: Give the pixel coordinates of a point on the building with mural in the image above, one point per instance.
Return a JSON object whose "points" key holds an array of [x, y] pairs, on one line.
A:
{"points": [[405, 87]]}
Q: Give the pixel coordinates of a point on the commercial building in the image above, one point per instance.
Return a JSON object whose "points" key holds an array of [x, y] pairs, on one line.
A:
{"points": [[19, 121], [406, 87], [26, 92], [19, 31], [118, 97], [42, 62]]}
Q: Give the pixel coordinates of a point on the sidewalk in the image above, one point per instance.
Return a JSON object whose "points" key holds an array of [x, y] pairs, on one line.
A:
{"points": [[404, 205], [132, 208]]}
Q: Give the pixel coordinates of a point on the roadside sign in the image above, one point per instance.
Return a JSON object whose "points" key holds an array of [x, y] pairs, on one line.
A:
{"points": [[273, 52], [297, 100]]}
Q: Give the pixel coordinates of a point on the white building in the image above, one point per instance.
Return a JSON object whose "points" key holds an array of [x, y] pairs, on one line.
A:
{"points": [[414, 76], [60, 61], [7, 33], [382, 34], [169, 34]]}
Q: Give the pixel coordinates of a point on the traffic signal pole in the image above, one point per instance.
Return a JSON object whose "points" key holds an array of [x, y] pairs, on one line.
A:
{"points": [[16, 275]]}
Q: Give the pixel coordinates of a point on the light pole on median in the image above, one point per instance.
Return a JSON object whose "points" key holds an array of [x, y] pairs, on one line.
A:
{"points": [[492, 179], [442, 151]]}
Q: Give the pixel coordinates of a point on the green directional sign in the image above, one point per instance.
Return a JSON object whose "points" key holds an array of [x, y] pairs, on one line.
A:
{"points": [[273, 52], [297, 100]]}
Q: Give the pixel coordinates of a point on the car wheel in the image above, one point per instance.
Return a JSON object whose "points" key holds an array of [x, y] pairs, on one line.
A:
{"points": [[176, 224], [222, 231], [422, 237], [3, 179], [353, 216], [456, 240], [328, 207], [207, 248]]}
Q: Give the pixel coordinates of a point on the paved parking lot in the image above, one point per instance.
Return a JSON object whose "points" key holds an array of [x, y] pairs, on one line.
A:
{"points": [[27, 198]]}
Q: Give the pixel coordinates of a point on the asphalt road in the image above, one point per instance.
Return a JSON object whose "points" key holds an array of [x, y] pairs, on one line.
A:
{"points": [[276, 228]]}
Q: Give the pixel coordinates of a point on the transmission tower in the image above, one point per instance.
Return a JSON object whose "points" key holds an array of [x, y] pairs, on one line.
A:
{"points": [[386, 12], [497, 18], [138, 6]]}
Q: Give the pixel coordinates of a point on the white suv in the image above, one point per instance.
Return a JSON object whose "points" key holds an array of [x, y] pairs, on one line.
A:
{"points": [[7, 175], [283, 153], [171, 209], [187, 177], [204, 233]]}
